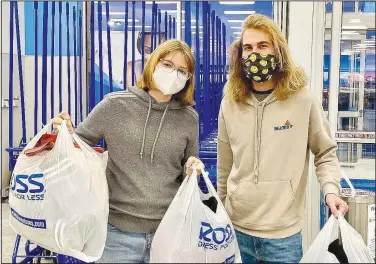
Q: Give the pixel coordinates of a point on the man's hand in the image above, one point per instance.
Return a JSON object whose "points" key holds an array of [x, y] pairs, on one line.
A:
{"points": [[336, 204]]}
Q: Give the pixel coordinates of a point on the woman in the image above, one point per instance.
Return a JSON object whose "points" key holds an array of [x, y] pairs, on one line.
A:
{"points": [[150, 132]]}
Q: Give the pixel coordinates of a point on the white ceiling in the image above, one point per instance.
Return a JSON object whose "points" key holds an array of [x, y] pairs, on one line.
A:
{"points": [[353, 31], [354, 25]]}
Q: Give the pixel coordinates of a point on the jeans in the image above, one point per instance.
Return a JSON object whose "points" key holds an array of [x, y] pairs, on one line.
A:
{"points": [[263, 250], [126, 247]]}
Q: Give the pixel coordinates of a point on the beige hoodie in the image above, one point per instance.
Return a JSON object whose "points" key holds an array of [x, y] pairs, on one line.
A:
{"points": [[263, 161]]}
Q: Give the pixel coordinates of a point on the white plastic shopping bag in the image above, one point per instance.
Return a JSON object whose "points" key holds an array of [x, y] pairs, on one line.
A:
{"points": [[352, 242], [59, 199], [191, 232]]}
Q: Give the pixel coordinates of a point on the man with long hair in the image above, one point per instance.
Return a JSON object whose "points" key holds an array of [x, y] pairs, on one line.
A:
{"points": [[269, 122]]}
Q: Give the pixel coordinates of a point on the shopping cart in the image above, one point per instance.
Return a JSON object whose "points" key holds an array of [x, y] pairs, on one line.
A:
{"points": [[35, 254]]}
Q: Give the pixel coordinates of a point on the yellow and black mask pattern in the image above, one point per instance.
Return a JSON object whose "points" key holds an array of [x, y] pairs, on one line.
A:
{"points": [[259, 67]]}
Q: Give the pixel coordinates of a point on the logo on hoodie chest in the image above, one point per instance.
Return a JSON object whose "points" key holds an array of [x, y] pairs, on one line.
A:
{"points": [[286, 126]]}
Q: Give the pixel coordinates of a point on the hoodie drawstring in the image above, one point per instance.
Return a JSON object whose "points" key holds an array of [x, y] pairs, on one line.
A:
{"points": [[146, 124], [257, 139], [158, 132], [255, 164], [156, 137]]}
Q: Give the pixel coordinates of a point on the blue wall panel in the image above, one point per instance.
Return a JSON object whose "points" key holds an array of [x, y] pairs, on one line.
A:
{"points": [[29, 27]]}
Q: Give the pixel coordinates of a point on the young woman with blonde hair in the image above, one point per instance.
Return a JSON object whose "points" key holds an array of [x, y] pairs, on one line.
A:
{"points": [[151, 132], [268, 124]]}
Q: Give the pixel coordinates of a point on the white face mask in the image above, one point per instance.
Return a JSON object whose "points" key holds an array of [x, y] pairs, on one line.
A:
{"points": [[168, 82]]}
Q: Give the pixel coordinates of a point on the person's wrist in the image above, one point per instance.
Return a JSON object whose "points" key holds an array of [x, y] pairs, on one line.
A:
{"points": [[328, 195]]}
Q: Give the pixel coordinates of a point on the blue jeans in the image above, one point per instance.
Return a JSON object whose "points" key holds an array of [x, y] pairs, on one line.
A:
{"points": [[126, 247], [263, 250]]}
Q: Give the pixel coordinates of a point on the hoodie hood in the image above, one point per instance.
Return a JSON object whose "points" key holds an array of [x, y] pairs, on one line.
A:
{"points": [[252, 100]]}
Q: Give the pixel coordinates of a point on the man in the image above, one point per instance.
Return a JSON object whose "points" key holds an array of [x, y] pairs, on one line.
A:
{"points": [[147, 53], [268, 123]]}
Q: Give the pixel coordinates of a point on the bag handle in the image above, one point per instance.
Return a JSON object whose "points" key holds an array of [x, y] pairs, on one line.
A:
{"points": [[213, 192], [346, 178], [186, 191], [209, 184]]}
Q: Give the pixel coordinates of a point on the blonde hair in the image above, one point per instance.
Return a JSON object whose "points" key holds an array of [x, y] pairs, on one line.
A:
{"points": [[290, 78], [185, 96]]}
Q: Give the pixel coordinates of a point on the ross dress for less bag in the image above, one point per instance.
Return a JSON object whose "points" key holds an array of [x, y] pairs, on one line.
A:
{"points": [[59, 196], [195, 228], [338, 242]]}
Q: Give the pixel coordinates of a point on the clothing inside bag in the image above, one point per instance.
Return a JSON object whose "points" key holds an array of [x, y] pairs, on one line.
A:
{"points": [[336, 248], [212, 203]]}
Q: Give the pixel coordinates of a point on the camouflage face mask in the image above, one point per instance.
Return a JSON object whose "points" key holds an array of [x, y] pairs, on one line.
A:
{"points": [[259, 67]]}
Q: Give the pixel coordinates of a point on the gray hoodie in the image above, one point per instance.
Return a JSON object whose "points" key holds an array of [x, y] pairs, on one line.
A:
{"points": [[148, 144]]}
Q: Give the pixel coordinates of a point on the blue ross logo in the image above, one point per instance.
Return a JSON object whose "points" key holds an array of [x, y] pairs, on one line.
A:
{"points": [[215, 238], [28, 187]]}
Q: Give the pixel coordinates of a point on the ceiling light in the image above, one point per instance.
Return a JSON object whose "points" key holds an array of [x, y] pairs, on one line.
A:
{"points": [[235, 21], [359, 46], [354, 27], [193, 21], [355, 20], [114, 13], [122, 19], [236, 3], [237, 27], [349, 33], [160, 2], [247, 12], [238, 32], [172, 11], [138, 26], [193, 26]]}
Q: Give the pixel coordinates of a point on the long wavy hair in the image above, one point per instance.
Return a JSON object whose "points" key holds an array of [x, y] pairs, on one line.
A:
{"points": [[289, 78]]}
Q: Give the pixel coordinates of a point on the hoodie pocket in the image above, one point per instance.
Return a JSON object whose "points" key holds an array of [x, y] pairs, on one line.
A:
{"points": [[267, 205]]}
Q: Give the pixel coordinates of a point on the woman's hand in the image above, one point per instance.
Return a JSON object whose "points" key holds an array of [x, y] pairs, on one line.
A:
{"points": [[194, 163], [57, 120]]}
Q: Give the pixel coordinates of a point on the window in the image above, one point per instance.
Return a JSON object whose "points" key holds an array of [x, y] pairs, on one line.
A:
{"points": [[348, 6], [356, 93], [356, 106], [367, 6], [355, 123]]}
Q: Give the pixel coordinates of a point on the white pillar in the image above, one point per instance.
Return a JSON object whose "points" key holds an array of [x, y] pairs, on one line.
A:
{"points": [[179, 9], [335, 53], [306, 30]]}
